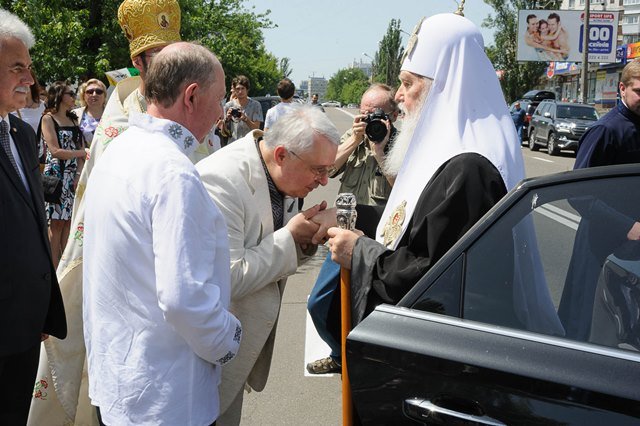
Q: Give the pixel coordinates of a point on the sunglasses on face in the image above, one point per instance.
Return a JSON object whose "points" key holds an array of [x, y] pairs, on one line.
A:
{"points": [[71, 93], [96, 91]]}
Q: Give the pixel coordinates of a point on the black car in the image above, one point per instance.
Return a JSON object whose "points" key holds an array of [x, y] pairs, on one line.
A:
{"points": [[480, 339], [529, 102], [560, 125]]}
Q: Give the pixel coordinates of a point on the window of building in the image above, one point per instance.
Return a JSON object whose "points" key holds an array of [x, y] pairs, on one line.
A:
{"points": [[630, 19], [631, 2]]}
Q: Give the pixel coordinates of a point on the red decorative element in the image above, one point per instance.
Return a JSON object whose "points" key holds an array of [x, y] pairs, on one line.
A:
{"points": [[111, 131]]}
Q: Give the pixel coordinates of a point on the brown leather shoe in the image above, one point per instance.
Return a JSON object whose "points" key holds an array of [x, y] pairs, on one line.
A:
{"points": [[324, 366]]}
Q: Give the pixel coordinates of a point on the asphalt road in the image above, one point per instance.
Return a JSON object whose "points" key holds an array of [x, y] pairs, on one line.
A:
{"points": [[291, 397]]}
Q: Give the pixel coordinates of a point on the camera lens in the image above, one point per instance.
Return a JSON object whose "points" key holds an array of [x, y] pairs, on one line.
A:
{"points": [[376, 131]]}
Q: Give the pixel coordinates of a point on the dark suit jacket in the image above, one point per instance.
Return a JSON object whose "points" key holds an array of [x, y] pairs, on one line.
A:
{"points": [[30, 299]]}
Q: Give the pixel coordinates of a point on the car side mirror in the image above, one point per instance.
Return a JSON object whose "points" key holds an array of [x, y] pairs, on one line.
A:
{"points": [[547, 114]]}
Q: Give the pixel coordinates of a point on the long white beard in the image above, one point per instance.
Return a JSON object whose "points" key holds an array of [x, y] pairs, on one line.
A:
{"points": [[394, 159]]}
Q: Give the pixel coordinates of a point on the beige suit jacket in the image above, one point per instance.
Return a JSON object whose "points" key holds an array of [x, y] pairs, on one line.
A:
{"points": [[261, 259]]}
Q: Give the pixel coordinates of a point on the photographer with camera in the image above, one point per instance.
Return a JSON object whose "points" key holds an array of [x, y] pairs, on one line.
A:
{"points": [[242, 114], [360, 159], [363, 147]]}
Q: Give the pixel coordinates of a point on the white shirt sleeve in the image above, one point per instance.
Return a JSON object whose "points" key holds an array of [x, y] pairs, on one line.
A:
{"points": [[192, 268]]}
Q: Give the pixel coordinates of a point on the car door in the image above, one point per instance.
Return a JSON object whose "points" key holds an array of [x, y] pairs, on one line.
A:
{"points": [[495, 334], [543, 121], [536, 122]]}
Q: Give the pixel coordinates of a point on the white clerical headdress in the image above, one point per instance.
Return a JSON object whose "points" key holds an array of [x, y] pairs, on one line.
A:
{"points": [[465, 111]]}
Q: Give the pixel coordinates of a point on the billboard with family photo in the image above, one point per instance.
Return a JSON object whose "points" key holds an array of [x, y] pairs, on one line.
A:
{"points": [[556, 35]]}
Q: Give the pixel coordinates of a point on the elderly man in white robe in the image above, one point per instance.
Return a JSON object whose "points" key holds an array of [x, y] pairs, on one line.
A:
{"points": [[454, 160]]}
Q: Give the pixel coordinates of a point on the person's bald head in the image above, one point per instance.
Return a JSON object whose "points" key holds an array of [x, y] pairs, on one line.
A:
{"points": [[177, 65], [185, 83]]}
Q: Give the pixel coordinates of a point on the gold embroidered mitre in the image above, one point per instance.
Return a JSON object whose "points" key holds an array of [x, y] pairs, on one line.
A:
{"points": [[149, 23]]}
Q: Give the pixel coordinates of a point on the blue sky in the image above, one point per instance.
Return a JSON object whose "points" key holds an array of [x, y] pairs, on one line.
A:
{"points": [[321, 37]]}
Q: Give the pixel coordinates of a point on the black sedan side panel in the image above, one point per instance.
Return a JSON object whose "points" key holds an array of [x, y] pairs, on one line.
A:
{"points": [[397, 354]]}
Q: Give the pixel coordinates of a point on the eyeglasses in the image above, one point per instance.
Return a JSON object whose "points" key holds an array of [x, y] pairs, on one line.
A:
{"points": [[319, 172], [92, 91], [71, 93]]}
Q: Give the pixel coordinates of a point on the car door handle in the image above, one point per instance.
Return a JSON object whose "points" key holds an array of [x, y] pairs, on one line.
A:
{"points": [[425, 411]]}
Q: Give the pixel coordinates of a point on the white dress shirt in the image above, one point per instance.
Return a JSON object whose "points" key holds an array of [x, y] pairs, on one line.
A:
{"points": [[156, 282], [277, 111]]}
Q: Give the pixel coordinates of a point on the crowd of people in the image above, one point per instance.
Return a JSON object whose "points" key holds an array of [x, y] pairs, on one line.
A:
{"points": [[160, 269]]}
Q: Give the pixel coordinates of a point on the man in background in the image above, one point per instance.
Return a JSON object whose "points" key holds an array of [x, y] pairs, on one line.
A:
{"points": [[517, 115], [242, 114], [30, 301], [360, 160], [314, 102], [286, 90]]}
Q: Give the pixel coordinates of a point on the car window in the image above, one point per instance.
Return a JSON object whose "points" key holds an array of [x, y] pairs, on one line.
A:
{"points": [[577, 112], [559, 263], [542, 108]]}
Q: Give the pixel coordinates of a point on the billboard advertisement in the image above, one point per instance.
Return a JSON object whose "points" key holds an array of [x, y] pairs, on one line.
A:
{"points": [[556, 35]]}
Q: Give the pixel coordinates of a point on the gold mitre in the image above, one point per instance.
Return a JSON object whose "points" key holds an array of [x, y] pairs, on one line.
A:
{"points": [[149, 23]]}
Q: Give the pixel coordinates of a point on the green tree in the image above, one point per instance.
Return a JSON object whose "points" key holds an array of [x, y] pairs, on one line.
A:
{"points": [[387, 59], [76, 39], [518, 77], [347, 85]]}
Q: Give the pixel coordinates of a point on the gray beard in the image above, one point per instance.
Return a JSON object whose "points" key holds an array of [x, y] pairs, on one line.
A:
{"points": [[394, 159]]}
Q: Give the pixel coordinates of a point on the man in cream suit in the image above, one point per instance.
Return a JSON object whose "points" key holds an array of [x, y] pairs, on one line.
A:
{"points": [[256, 182]]}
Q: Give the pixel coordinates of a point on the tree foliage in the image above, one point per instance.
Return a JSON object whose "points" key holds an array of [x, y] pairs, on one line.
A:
{"points": [[347, 85], [518, 77], [76, 40], [387, 61]]}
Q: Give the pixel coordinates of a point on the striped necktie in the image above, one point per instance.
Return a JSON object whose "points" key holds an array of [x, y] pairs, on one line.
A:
{"points": [[6, 144]]}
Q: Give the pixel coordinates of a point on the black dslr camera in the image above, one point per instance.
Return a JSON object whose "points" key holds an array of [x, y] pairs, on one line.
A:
{"points": [[236, 112], [376, 130]]}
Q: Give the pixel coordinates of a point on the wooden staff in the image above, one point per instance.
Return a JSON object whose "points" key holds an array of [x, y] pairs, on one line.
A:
{"points": [[346, 218]]}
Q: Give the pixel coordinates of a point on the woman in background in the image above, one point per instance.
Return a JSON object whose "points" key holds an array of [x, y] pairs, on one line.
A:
{"points": [[93, 98], [65, 156]]}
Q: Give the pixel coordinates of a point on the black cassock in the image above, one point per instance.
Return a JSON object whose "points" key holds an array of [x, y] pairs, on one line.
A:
{"points": [[606, 218], [460, 192]]}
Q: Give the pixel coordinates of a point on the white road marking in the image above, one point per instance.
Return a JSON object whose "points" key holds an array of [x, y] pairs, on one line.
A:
{"points": [[314, 348], [564, 213], [543, 159], [346, 112], [546, 211]]}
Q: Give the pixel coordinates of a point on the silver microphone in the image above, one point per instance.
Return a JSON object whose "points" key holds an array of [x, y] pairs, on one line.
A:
{"points": [[346, 213]]}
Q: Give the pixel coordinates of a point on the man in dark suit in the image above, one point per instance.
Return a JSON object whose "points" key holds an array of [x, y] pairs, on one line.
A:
{"points": [[30, 301]]}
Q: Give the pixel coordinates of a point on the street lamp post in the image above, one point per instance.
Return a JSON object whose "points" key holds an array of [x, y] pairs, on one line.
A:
{"points": [[584, 78], [372, 65]]}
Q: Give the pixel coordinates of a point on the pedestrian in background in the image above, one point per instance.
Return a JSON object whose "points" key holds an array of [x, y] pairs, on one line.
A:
{"points": [[242, 114], [65, 157], [518, 115], [93, 98]]}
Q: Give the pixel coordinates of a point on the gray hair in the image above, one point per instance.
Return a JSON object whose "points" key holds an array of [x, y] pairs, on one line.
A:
{"points": [[12, 27], [172, 69], [296, 129]]}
